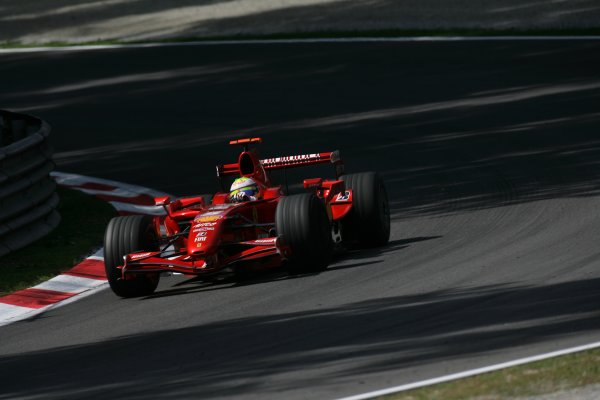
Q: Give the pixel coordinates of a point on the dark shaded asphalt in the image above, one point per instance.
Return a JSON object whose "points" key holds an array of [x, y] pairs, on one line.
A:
{"points": [[490, 152]]}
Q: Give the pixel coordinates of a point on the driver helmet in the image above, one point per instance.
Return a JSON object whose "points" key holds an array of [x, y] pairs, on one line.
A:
{"points": [[243, 189]]}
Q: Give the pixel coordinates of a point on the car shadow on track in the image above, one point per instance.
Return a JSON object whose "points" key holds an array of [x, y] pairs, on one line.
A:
{"points": [[271, 353], [392, 246], [196, 284]]}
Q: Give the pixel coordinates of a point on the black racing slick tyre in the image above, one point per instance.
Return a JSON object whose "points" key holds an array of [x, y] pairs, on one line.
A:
{"points": [[126, 235], [302, 223], [369, 219]]}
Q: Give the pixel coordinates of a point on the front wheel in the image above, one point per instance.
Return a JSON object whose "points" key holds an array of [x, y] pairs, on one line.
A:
{"points": [[126, 235], [303, 224]]}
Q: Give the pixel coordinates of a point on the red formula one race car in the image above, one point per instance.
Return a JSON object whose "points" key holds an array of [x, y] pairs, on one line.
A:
{"points": [[236, 233]]}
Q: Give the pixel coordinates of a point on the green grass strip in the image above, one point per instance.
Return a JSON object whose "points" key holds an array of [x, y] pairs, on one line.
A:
{"points": [[389, 33], [79, 234], [537, 378]]}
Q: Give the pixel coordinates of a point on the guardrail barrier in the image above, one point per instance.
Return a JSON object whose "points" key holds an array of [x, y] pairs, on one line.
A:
{"points": [[28, 198]]}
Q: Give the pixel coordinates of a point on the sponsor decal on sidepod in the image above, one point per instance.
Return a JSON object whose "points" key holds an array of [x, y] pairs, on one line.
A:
{"points": [[142, 255], [270, 241], [209, 218]]}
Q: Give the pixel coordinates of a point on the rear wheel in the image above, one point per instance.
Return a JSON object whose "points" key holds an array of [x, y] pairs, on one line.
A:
{"points": [[303, 224], [126, 235], [369, 220]]}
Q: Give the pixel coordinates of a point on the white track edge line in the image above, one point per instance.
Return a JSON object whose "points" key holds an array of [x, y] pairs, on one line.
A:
{"points": [[65, 283], [32, 312], [303, 41], [73, 180], [118, 192], [472, 372], [134, 208], [10, 313]]}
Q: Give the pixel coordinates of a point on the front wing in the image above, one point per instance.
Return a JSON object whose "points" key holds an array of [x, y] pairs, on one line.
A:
{"points": [[270, 252]]}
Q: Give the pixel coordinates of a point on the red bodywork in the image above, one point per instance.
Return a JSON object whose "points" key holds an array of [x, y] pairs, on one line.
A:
{"points": [[205, 239]]}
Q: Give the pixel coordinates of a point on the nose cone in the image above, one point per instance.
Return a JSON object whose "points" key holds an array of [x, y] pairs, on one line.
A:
{"points": [[204, 234]]}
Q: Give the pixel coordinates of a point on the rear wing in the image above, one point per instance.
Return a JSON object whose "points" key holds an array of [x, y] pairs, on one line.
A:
{"points": [[332, 157]]}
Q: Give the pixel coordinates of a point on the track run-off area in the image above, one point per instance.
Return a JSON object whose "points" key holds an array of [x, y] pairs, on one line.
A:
{"points": [[489, 150]]}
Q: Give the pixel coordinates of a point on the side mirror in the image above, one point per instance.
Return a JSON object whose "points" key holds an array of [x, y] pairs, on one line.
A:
{"points": [[313, 183]]}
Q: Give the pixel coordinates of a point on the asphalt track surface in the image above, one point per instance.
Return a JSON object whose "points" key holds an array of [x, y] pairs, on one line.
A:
{"points": [[490, 152]]}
